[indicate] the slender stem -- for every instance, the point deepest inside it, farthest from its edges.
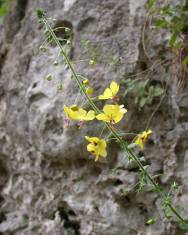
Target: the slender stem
(75, 76)
(176, 213)
(123, 144)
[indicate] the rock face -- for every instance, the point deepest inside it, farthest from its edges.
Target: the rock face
(48, 182)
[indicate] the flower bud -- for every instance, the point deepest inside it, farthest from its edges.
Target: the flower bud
(89, 91)
(60, 87)
(86, 82)
(49, 77)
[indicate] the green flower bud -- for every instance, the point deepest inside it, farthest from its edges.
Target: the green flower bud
(92, 62)
(49, 77)
(42, 48)
(55, 63)
(40, 13)
(60, 87)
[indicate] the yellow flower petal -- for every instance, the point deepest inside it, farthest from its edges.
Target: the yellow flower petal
(89, 116)
(117, 118)
(102, 146)
(71, 114)
(140, 143)
(106, 95)
(110, 93)
(114, 88)
(90, 148)
(79, 114)
(103, 117)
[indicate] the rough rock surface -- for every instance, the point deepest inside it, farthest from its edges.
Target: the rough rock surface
(48, 183)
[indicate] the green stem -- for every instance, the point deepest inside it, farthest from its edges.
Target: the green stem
(176, 213)
(123, 144)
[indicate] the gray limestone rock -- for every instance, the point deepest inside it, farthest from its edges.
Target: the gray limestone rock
(49, 185)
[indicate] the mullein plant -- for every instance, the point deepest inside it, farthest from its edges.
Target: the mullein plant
(111, 114)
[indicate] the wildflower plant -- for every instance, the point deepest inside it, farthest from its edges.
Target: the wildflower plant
(111, 114)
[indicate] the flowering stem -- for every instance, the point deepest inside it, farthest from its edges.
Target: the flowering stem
(123, 144)
(75, 76)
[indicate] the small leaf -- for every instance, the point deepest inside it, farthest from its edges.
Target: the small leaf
(174, 186)
(185, 60)
(179, 209)
(173, 39)
(150, 4)
(151, 221)
(184, 225)
(136, 100)
(165, 10)
(161, 23)
(40, 13)
(143, 101)
(92, 62)
(158, 91)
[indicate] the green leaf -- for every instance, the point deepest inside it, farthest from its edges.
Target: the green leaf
(129, 86)
(150, 4)
(143, 101)
(161, 23)
(149, 100)
(185, 60)
(184, 225)
(40, 13)
(179, 209)
(141, 87)
(158, 91)
(151, 90)
(174, 186)
(173, 39)
(151, 221)
(165, 10)
(136, 100)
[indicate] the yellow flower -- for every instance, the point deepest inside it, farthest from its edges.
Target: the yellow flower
(112, 113)
(96, 146)
(111, 92)
(78, 114)
(142, 138)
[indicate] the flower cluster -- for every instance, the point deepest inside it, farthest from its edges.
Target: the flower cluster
(111, 113)
(96, 146)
